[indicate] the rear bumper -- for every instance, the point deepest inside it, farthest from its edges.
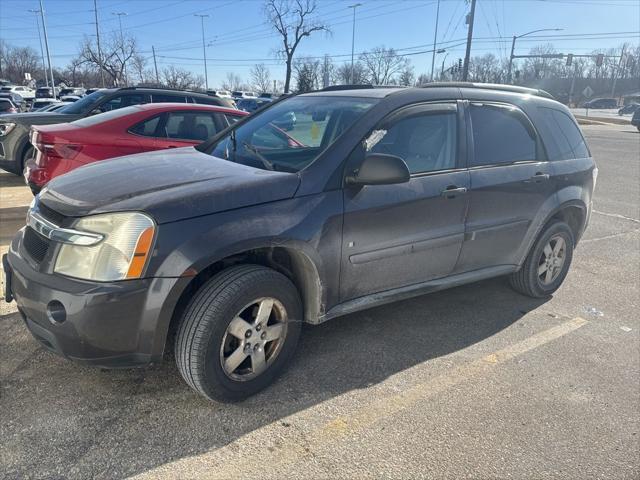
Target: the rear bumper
(109, 324)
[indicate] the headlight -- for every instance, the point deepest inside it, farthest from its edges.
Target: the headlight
(121, 255)
(5, 128)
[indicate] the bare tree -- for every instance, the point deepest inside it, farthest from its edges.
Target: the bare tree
(261, 78)
(181, 79)
(293, 20)
(232, 81)
(344, 74)
(406, 76)
(140, 71)
(16, 61)
(116, 52)
(383, 64)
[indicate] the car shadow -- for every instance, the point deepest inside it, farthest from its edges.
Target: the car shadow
(130, 421)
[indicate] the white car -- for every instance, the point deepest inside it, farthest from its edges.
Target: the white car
(24, 92)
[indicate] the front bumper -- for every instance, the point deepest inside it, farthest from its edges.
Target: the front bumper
(114, 324)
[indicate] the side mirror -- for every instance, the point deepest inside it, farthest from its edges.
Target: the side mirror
(380, 169)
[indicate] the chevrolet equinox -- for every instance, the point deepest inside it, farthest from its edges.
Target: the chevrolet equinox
(220, 252)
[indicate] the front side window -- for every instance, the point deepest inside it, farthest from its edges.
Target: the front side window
(289, 135)
(426, 142)
(501, 135)
(122, 101)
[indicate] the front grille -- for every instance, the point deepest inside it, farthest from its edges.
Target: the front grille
(35, 244)
(51, 215)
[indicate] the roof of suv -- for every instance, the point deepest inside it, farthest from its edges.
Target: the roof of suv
(373, 91)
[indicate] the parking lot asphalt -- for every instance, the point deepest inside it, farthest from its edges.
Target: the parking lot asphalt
(473, 382)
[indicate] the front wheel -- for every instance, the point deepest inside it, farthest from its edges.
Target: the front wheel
(547, 264)
(239, 332)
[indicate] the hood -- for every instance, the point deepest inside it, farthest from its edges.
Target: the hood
(39, 118)
(170, 185)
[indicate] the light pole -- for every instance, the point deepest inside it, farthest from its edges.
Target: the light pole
(124, 63)
(353, 35)
(46, 44)
(204, 48)
(435, 39)
(513, 46)
(44, 67)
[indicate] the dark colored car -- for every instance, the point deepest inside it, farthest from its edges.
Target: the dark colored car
(47, 92)
(7, 106)
(15, 148)
(16, 99)
(395, 193)
(601, 103)
(635, 120)
(252, 104)
(629, 109)
(63, 147)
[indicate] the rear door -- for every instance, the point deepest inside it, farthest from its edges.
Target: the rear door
(404, 234)
(188, 127)
(510, 180)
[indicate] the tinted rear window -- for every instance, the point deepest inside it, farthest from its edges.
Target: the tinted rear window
(563, 139)
(500, 135)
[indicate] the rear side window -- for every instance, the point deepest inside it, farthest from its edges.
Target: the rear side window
(195, 126)
(147, 128)
(164, 98)
(563, 138)
(501, 134)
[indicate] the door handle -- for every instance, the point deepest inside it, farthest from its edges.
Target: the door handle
(452, 190)
(539, 177)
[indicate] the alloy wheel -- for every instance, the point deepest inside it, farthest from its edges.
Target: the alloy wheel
(552, 260)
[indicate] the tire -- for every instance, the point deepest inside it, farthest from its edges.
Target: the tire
(26, 155)
(528, 280)
(203, 337)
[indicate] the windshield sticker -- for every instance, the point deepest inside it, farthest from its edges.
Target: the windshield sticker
(315, 131)
(373, 139)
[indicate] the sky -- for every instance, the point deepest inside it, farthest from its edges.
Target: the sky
(237, 36)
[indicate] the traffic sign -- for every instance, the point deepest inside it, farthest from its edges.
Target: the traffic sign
(587, 92)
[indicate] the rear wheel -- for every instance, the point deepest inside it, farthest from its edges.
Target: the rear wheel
(548, 262)
(239, 332)
(27, 155)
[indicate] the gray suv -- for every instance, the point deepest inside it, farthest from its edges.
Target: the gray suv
(220, 252)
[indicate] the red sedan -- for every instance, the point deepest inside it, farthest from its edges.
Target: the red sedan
(66, 146)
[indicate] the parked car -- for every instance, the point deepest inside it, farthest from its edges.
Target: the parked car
(16, 99)
(238, 95)
(7, 106)
(74, 91)
(635, 120)
(52, 107)
(225, 249)
(24, 92)
(251, 104)
(267, 95)
(39, 103)
(63, 147)
(47, 92)
(601, 103)
(69, 98)
(629, 109)
(14, 129)
(219, 93)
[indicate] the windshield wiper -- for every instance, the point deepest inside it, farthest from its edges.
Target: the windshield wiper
(267, 164)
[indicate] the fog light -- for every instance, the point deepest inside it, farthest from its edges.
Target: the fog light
(56, 312)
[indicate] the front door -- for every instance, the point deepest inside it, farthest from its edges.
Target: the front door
(404, 234)
(510, 180)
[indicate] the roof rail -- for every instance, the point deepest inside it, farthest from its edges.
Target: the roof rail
(491, 86)
(365, 86)
(161, 87)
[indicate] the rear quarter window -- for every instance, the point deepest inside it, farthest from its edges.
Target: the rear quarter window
(563, 138)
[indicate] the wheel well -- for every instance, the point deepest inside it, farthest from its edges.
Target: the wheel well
(23, 152)
(573, 216)
(295, 265)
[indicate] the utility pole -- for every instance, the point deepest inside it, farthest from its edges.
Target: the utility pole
(46, 44)
(353, 36)
(124, 63)
(95, 11)
(204, 48)
(435, 38)
(513, 46)
(442, 69)
(155, 64)
(617, 71)
(44, 66)
(465, 68)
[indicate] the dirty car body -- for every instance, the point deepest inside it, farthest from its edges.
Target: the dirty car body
(344, 245)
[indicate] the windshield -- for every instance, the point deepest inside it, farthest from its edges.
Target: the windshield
(289, 135)
(85, 104)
